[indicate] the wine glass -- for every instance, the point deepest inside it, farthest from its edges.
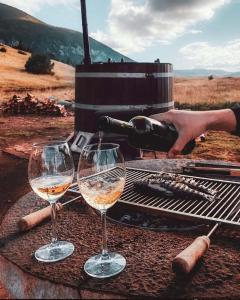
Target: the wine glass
(101, 178)
(51, 172)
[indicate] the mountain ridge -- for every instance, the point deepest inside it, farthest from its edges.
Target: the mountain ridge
(65, 45)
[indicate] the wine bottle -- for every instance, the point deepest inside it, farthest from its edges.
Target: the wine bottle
(145, 133)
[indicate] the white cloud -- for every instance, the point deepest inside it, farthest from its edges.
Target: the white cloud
(134, 25)
(204, 55)
(195, 31)
(32, 6)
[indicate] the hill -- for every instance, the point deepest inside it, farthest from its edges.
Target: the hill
(14, 79)
(205, 73)
(65, 45)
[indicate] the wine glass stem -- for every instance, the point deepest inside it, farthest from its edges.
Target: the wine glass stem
(104, 236)
(54, 217)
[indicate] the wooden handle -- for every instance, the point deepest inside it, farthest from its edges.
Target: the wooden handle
(185, 261)
(235, 172)
(32, 220)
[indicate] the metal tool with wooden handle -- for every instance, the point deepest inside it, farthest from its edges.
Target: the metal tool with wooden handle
(210, 170)
(34, 219)
(185, 261)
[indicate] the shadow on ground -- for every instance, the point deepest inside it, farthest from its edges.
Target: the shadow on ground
(13, 181)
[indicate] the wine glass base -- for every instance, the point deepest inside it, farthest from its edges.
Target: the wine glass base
(100, 268)
(54, 252)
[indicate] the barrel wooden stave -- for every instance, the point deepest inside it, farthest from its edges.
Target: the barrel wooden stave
(94, 87)
(122, 92)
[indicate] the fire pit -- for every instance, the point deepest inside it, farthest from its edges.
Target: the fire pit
(149, 254)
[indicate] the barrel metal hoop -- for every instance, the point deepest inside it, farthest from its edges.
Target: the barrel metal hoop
(122, 107)
(122, 75)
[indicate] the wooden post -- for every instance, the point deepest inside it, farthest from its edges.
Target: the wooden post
(87, 57)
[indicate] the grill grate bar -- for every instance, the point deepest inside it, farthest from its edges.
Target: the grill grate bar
(201, 203)
(198, 205)
(138, 198)
(234, 208)
(219, 206)
(168, 202)
(205, 208)
(187, 205)
(133, 197)
(236, 216)
(165, 202)
(173, 204)
(158, 202)
(230, 204)
(154, 200)
(195, 204)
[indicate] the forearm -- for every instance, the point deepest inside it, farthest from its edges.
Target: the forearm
(223, 120)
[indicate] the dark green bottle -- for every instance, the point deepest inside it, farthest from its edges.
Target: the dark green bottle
(145, 133)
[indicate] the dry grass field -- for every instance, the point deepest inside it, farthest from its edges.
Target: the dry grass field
(198, 90)
(14, 79)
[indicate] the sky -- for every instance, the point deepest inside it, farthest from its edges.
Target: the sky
(187, 33)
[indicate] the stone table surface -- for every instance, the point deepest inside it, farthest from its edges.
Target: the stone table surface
(20, 284)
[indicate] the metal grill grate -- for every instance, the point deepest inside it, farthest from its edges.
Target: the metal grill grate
(226, 210)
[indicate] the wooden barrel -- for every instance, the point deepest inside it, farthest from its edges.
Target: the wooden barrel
(121, 90)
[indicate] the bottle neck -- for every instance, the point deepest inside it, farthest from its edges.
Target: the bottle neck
(107, 124)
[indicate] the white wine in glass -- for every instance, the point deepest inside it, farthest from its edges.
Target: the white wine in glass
(101, 179)
(51, 188)
(51, 172)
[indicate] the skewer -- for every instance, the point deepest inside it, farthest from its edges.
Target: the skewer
(210, 170)
(35, 218)
(213, 230)
(213, 165)
(186, 260)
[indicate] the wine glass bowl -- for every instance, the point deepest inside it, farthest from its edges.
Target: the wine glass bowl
(101, 178)
(50, 173)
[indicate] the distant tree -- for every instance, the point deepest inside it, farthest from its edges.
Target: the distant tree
(3, 49)
(210, 77)
(51, 55)
(39, 64)
(22, 52)
(21, 46)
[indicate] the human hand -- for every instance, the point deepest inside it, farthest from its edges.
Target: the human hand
(189, 124)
